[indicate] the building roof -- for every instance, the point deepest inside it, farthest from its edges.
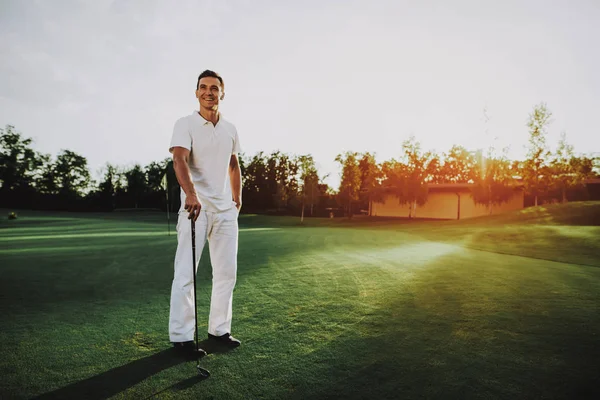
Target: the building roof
(456, 186)
(517, 184)
(445, 187)
(450, 185)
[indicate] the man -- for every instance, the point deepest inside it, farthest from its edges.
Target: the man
(204, 147)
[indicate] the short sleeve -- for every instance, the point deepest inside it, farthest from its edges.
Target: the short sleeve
(181, 135)
(236, 143)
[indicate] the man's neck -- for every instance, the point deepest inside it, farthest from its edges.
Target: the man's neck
(210, 115)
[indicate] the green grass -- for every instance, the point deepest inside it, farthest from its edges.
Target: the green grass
(497, 307)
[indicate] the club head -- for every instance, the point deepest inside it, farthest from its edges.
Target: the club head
(202, 372)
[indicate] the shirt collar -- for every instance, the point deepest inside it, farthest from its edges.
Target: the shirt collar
(204, 121)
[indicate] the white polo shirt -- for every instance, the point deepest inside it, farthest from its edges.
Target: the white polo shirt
(210, 148)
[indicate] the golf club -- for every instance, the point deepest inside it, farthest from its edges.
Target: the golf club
(201, 371)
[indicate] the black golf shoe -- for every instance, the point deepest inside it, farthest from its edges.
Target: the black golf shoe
(188, 348)
(226, 340)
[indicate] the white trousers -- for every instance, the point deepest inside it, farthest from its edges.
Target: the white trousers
(221, 231)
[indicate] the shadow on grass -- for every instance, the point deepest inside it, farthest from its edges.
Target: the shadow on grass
(117, 380)
(213, 348)
(179, 386)
(210, 348)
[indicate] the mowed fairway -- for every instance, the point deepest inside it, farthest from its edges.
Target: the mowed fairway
(504, 307)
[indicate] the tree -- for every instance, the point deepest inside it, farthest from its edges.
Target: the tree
(582, 168)
(281, 172)
(493, 180)
(415, 172)
(18, 161)
(45, 181)
(257, 189)
(107, 187)
(394, 177)
(595, 160)
(155, 171)
(433, 170)
(536, 174)
(350, 182)
(289, 170)
(136, 184)
(242, 162)
(71, 174)
(281, 180)
(563, 174)
(458, 166)
(371, 176)
(407, 179)
(308, 180)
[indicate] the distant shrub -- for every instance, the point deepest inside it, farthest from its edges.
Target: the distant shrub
(12, 215)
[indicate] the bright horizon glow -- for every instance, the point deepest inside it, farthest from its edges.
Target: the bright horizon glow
(107, 79)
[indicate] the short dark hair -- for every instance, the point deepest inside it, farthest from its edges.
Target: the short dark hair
(212, 74)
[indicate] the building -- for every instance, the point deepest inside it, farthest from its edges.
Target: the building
(593, 188)
(447, 201)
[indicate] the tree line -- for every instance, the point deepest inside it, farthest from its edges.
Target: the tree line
(275, 182)
(283, 183)
(545, 175)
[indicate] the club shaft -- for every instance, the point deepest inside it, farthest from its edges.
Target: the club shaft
(194, 275)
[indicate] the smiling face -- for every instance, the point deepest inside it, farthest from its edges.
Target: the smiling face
(209, 92)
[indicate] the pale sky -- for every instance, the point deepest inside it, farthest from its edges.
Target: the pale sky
(108, 79)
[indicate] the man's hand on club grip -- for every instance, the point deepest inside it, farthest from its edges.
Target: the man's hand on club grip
(193, 206)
